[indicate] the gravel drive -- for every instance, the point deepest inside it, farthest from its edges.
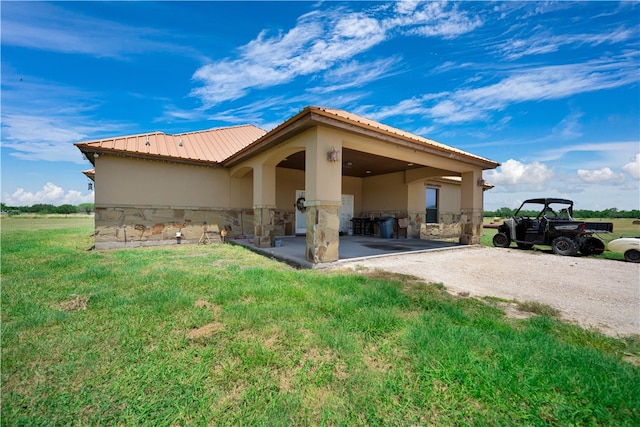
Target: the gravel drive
(594, 293)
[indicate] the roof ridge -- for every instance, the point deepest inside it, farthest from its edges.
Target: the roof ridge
(158, 132)
(215, 129)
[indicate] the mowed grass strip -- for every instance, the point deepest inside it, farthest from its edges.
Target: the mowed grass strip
(217, 335)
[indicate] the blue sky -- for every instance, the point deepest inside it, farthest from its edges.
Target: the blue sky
(549, 90)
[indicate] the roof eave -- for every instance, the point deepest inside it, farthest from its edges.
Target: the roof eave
(91, 153)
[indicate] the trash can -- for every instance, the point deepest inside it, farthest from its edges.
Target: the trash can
(386, 227)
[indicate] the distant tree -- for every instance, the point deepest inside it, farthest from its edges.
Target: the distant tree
(42, 208)
(66, 209)
(85, 207)
(504, 212)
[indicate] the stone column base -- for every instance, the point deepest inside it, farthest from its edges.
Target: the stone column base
(471, 226)
(323, 231)
(263, 227)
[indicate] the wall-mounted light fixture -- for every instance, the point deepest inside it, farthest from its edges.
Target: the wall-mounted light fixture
(90, 185)
(147, 143)
(180, 144)
(332, 155)
(481, 182)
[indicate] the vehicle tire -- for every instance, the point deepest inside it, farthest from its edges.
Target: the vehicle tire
(632, 255)
(501, 240)
(564, 246)
(524, 246)
(592, 246)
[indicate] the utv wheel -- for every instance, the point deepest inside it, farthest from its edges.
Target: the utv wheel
(592, 246)
(501, 240)
(632, 255)
(564, 246)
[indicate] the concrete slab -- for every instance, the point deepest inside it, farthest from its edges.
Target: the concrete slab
(352, 248)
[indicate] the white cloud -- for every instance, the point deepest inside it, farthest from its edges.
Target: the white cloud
(600, 176)
(325, 41)
(49, 194)
(356, 74)
(45, 26)
(569, 127)
(613, 151)
(545, 42)
(41, 138)
(433, 19)
(317, 43)
(633, 167)
(37, 127)
(517, 175)
(524, 85)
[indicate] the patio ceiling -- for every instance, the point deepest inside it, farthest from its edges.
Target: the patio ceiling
(355, 163)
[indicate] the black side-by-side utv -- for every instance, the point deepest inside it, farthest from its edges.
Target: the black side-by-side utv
(553, 225)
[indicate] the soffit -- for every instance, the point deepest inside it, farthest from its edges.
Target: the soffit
(355, 163)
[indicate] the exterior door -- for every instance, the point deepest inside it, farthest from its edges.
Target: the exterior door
(346, 213)
(301, 216)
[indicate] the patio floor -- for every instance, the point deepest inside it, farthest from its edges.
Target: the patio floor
(352, 248)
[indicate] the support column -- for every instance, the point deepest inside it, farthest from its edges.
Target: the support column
(264, 204)
(323, 231)
(471, 205)
(323, 188)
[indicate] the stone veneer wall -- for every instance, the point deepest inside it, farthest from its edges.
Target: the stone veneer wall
(448, 226)
(147, 226)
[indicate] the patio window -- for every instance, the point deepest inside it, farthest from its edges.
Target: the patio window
(432, 205)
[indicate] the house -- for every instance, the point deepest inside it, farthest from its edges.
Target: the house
(311, 175)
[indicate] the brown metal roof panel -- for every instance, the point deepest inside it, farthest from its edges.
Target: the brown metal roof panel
(213, 145)
(389, 129)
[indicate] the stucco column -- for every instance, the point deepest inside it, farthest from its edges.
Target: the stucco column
(471, 200)
(323, 187)
(264, 204)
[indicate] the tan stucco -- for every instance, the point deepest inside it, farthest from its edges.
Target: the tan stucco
(385, 193)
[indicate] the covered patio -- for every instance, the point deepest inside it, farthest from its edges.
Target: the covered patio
(291, 249)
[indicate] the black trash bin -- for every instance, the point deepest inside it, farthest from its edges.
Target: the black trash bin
(386, 227)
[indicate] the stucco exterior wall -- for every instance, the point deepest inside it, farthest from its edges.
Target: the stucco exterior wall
(287, 182)
(449, 200)
(384, 193)
(126, 181)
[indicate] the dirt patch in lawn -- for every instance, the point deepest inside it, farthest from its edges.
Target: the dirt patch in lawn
(75, 303)
(205, 331)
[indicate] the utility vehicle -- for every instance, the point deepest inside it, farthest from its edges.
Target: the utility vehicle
(550, 222)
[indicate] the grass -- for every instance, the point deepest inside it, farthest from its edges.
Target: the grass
(217, 335)
(621, 228)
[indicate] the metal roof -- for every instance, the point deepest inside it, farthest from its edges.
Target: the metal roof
(314, 116)
(233, 144)
(389, 130)
(207, 146)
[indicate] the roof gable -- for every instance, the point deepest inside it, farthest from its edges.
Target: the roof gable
(340, 119)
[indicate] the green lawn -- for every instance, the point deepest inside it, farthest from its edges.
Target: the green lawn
(217, 335)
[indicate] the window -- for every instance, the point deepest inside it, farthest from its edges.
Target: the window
(432, 205)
